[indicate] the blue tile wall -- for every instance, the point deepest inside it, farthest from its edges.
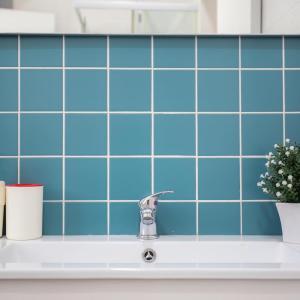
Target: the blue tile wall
(41, 90)
(85, 90)
(8, 51)
(218, 91)
(8, 90)
(103, 124)
(130, 90)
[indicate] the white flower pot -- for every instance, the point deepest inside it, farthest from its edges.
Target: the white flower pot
(289, 214)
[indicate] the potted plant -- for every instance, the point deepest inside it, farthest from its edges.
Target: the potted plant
(282, 182)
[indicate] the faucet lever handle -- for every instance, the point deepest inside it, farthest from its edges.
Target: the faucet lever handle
(151, 201)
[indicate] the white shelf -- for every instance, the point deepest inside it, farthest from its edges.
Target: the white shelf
(26, 21)
(177, 5)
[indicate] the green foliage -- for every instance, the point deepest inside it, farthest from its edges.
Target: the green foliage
(282, 179)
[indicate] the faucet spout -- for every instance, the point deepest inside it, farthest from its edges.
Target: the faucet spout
(148, 206)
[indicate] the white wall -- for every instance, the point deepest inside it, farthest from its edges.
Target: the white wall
(66, 19)
(238, 16)
(281, 16)
(229, 16)
(113, 21)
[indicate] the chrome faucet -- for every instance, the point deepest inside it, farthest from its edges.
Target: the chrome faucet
(148, 207)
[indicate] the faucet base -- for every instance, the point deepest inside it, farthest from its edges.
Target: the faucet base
(147, 237)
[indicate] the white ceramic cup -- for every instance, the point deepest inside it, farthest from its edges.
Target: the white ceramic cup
(24, 211)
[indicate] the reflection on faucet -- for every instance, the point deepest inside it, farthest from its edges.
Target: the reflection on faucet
(148, 207)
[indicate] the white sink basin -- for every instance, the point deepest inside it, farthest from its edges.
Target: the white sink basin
(176, 257)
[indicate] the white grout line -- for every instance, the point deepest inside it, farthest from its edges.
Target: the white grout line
(134, 156)
(19, 108)
(169, 201)
(155, 112)
(108, 132)
(148, 69)
(196, 135)
(63, 137)
(240, 140)
(283, 91)
(152, 117)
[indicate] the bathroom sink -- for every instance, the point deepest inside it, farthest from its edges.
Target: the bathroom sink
(168, 257)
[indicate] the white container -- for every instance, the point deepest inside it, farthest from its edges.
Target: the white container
(2, 204)
(289, 214)
(24, 211)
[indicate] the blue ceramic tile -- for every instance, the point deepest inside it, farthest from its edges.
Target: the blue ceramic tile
(252, 169)
(130, 178)
(52, 219)
(45, 171)
(41, 134)
(41, 90)
(174, 52)
(9, 134)
(130, 135)
(85, 218)
(41, 51)
(262, 91)
(174, 91)
(219, 218)
(85, 51)
(86, 90)
(8, 90)
(8, 51)
(218, 52)
(9, 170)
(218, 91)
(292, 90)
(219, 179)
(218, 134)
(130, 90)
(86, 134)
(174, 135)
(260, 219)
(260, 52)
(86, 179)
(127, 51)
(124, 225)
(260, 133)
(292, 127)
(176, 218)
(292, 49)
(176, 174)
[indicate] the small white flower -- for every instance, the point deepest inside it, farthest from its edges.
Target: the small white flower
(290, 177)
(265, 190)
(262, 182)
(276, 146)
(277, 184)
(289, 186)
(292, 148)
(280, 172)
(284, 182)
(287, 140)
(273, 162)
(287, 153)
(270, 153)
(278, 194)
(262, 176)
(267, 164)
(259, 184)
(266, 174)
(281, 163)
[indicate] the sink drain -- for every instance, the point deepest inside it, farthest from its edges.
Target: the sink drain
(149, 255)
